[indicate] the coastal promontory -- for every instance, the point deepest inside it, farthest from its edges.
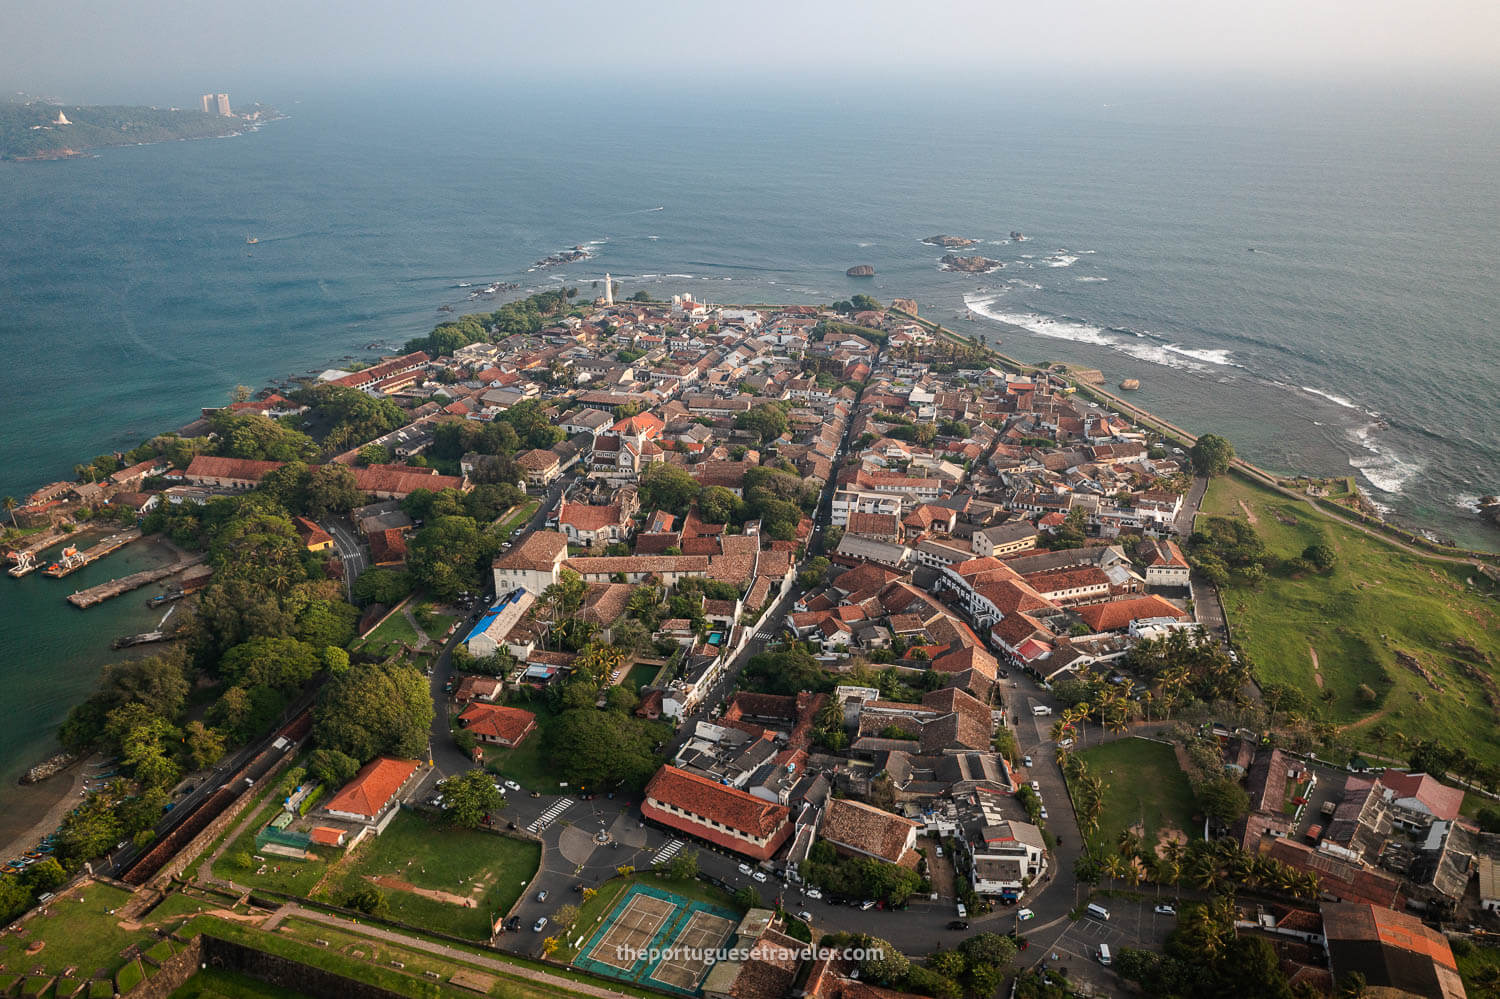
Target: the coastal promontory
(46, 130)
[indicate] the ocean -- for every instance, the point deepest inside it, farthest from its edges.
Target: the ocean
(1307, 271)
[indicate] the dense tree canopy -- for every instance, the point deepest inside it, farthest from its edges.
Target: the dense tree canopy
(375, 710)
(251, 435)
(1211, 455)
(594, 747)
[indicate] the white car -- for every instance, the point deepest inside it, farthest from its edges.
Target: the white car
(1166, 910)
(867, 906)
(513, 785)
(1044, 813)
(805, 916)
(814, 894)
(744, 868)
(539, 925)
(1025, 914)
(1036, 787)
(759, 876)
(1025, 761)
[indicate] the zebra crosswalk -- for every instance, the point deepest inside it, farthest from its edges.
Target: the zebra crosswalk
(550, 815)
(765, 636)
(667, 852)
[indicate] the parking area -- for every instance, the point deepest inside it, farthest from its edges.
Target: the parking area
(1131, 924)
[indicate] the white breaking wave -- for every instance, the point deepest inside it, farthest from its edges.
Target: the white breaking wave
(1381, 467)
(1466, 501)
(1059, 260)
(1337, 400)
(1138, 346)
(1090, 278)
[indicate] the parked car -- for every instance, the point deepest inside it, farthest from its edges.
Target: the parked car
(513, 785)
(759, 876)
(805, 916)
(539, 925)
(744, 868)
(867, 905)
(1036, 787)
(1166, 910)
(1026, 761)
(939, 851)
(814, 894)
(958, 924)
(1025, 914)
(541, 896)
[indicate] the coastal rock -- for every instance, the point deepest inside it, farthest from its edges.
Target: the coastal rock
(970, 265)
(906, 305)
(950, 242)
(50, 767)
(861, 270)
(564, 257)
(1489, 509)
(1130, 384)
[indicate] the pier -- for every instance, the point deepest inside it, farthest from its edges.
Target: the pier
(72, 560)
(25, 564)
(104, 591)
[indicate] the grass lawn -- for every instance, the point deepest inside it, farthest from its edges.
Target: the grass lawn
(1143, 786)
(283, 874)
(78, 931)
(640, 674)
(490, 870)
(434, 623)
(384, 639)
(518, 516)
(527, 764)
(1415, 631)
(1473, 962)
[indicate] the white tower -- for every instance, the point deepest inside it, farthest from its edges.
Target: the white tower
(609, 290)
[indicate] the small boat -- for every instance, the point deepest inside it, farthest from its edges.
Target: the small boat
(251, 240)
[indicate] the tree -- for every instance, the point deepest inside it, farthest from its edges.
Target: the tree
(46, 875)
(592, 747)
(284, 664)
(565, 916)
(10, 503)
(369, 900)
(1211, 455)
(883, 963)
(382, 586)
(766, 419)
(205, 745)
(373, 711)
(684, 866)
(988, 948)
(1321, 556)
(717, 505)
(469, 797)
(949, 963)
(331, 767)
(667, 487)
(444, 556)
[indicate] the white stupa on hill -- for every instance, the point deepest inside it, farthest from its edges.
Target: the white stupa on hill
(61, 119)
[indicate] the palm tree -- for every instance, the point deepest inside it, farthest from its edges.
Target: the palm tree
(1114, 866)
(10, 503)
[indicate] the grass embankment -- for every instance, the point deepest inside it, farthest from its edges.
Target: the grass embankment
(388, 635)
(517, 516)
(77, 932)
(216, 984)
(1144, 788)
(452, 880)
(1422, 635)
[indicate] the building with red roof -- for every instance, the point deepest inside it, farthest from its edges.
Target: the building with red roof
(1117, 615)
(373, 791)
(1421, 798)
(497, 724)
(723, 816)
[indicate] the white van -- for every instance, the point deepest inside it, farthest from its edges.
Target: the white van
(1040, 709)
(1104, 958)
(1098, 912)
(963, 913)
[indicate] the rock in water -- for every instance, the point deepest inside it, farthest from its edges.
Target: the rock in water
(950, 242)
(861, 270)
(1130, 384)
(969, 265)
(906, 305)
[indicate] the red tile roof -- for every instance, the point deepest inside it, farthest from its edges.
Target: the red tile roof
(1117, 614)
(714, 802)
(1441, 800)
(373, 787)
(509, 725)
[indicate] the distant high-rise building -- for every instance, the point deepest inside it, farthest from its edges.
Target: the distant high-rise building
(223, 101)
(208, 103)
(609, 290)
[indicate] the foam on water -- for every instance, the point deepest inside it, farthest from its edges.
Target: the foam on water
(1469, 502)
(1059, 260)
(1380, 466)
(1337, 400)
(1090, 278)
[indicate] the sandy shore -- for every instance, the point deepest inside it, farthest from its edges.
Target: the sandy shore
(38, 809)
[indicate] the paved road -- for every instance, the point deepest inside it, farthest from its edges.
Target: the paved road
(353, 556)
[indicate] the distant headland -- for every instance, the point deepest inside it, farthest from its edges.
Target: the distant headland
(45, 129)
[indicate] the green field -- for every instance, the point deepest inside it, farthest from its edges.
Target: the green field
(414, 855)
(640, 674)
(78, 933)
(1143, 787)
(391, 632)
(527, 764)
(1381, 618)
(434, 623)
(519, 516)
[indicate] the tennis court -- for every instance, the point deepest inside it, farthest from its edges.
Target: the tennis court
(702, 933)
(630, 931)
(648, 918)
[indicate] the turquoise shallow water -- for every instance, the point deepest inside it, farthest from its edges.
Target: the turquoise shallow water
(1357, 337)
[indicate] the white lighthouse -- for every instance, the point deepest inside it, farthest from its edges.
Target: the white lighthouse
(609, 290)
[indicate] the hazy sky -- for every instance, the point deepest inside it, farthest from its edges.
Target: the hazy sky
(151, 49)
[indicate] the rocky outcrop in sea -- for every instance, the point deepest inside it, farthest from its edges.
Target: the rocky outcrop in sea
(861, 270)
(50, 767)
(970, 265)
(949, 242)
